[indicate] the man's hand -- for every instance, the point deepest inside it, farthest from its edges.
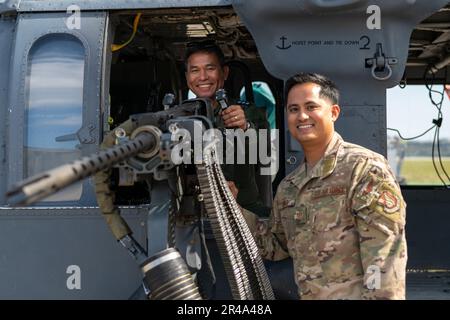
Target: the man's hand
(234, 190)
(447, 90)
(234, 117)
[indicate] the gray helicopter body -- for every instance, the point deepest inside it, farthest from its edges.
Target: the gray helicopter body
(62, 88)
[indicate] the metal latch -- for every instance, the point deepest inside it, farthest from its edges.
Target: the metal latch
(292, 160)
(380, 64)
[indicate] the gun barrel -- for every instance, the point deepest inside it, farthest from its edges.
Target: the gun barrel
(44, 184)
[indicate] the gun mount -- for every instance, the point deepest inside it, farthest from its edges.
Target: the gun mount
(140, 147)
(144, 143)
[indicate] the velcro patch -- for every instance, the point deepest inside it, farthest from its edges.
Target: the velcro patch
(284, 203)
(389, 201)
(329, 191)
(301, 215)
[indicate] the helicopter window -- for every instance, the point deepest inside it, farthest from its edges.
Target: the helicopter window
(53, 114)
(418, 149)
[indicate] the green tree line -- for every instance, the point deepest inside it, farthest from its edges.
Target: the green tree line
(423, 149)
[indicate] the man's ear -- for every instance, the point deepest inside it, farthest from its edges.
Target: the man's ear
(335, 111)
(226, 71)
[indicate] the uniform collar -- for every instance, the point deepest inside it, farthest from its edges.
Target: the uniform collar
(323, 168)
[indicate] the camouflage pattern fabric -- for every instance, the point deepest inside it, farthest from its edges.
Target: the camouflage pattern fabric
(343, 224)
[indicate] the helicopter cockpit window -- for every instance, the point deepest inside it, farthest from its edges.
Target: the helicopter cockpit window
(54, 91)
(419, 135)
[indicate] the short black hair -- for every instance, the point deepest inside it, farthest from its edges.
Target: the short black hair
(328, 88)
(208, 45)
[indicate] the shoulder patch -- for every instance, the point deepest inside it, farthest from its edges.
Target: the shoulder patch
(388, 203)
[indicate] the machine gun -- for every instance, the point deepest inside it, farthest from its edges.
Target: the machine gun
(142, 148)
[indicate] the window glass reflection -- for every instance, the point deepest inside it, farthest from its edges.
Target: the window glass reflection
(54, 107)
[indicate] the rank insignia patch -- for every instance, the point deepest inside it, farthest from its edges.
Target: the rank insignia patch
(389, 201)
(287, 203)
(301, 215)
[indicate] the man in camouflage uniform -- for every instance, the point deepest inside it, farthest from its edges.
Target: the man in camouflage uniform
(340, 215)
(206, 72)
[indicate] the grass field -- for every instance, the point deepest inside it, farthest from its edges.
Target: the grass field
(420, 171)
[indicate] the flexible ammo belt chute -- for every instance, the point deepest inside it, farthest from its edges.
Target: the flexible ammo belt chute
(243, 264)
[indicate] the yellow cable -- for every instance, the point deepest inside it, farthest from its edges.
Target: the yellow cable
(115, 47)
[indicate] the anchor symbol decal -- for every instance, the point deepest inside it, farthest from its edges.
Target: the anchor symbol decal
(283, 47)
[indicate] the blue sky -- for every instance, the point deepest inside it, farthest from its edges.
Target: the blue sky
(410, 111)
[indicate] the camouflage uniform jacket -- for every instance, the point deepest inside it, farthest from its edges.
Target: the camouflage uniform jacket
(343, 224)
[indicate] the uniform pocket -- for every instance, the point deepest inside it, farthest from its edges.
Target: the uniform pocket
(326, 212)
(294, 215)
